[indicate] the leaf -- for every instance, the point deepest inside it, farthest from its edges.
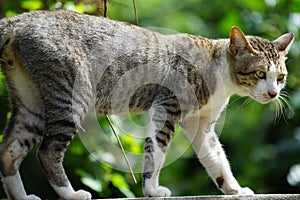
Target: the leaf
(2, 87)
(80, 8)
(69, 5)
(119, 182)
(10, 13)
(32, 4)
(131, 143)
(92, 183)
(88, 180)
(8, 115)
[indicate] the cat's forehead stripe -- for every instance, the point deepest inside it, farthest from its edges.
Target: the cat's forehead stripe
(265, 46)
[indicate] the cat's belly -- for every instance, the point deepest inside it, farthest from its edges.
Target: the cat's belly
(126, 101)
(23, 87)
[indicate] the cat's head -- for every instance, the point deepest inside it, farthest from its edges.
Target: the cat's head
(257, 65)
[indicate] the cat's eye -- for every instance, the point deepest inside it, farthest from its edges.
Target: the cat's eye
(280, 77)
(260, 74)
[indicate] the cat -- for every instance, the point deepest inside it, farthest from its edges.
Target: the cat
(59, 65)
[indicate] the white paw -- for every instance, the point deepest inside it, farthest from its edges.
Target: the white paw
(245, 191)
(160, 191)
(31, 197)
(240, 191)
(67, 192)
(81, 195)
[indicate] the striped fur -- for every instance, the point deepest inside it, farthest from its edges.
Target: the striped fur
(58, 65)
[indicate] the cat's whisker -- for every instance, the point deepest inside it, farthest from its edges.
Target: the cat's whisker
(283, 108)
(242, 105)
(246, 102)
(235, 100)
(288, 105)
(253, 103)
(285, 93)
(278, 111)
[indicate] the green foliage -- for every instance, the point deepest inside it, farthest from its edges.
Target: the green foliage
(119, 182)
(262, 149)
(32, 4)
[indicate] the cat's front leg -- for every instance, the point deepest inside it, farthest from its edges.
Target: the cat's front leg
(153, 161)
(159, 135)
(211, 154)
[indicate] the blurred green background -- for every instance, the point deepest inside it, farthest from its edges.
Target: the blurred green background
(264, 150)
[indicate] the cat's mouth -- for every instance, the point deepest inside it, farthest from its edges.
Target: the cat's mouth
(265, 101)
(264, 98)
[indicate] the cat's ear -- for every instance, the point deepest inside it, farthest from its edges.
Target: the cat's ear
(239, 43)
(284, 42)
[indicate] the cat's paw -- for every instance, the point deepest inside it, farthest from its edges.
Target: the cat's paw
(31, 197)
(68, 193)
(81, 195)
(159, 191)
(240, 191)
(245, 191)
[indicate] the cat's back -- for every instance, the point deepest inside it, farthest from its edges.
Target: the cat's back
(56, 43)
(61, 22)
(68, 37)
(62, 27)
(54, 31)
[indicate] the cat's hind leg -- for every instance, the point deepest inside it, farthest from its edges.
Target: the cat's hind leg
(51, 155)
(23, 132)
(61, 124)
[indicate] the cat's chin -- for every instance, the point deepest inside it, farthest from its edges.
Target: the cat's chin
(265, 101)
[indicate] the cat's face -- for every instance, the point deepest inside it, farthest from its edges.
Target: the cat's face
(258, 65)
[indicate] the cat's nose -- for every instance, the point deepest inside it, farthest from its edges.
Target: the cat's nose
(272, 94)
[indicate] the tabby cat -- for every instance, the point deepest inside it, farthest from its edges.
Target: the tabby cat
(60, 65)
